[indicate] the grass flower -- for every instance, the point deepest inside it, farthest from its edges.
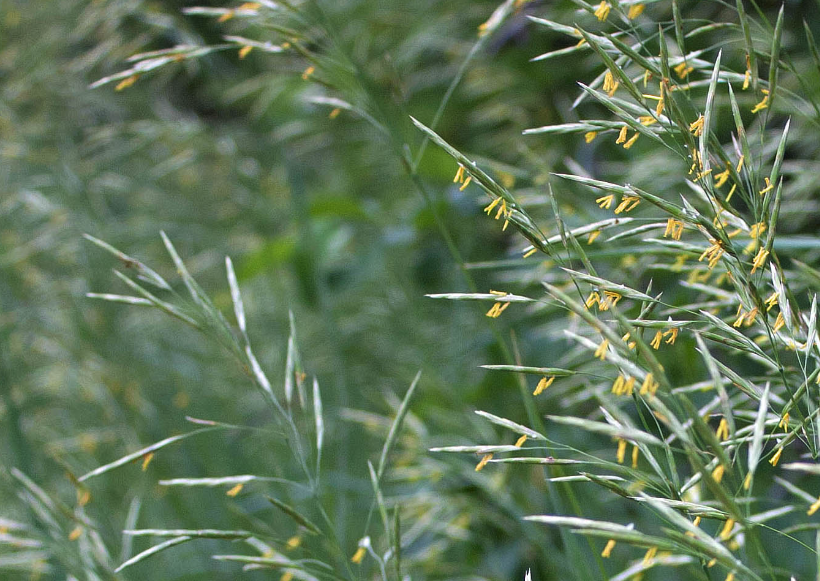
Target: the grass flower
(602, 11)
(635, 10)
(543, 384)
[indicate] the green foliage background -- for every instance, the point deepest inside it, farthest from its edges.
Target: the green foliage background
(235, 157)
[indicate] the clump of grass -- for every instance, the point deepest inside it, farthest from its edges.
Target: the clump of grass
(297, 418)
(681, 383)
(709, 459)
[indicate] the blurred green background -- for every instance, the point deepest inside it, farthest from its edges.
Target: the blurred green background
(231, 156)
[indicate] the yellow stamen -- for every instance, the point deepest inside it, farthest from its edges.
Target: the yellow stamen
(760, 259)
(634, 456)
(235, 490)
(771, 301)
(358, 555)
(776, 458)
(712, 254)
(650, 556)
(520, 441)
(226, 16)
(778, 322)
(497, 309)
(722, 432)
(605, 202)
(460, 176)
(627, 203)
(649, 385)
(592, 236)
(483, 462)
(739, 316)
(618, 385)
(610, 299)
(784, 422)
(465, 184)
(696, 127)
(717, 473)
(75, 533)
(703, 174)
(656, 341)
(671, 335)
(634, 11)
(632, 140)
(674, 228)
(146, 460)
(769, 187)
(757, 229)
(502, 211)
(590, 135)
(747, 482)
(682, 70)
(763, 104)
(610, 544)
(543, 384)
(731, 192)
(600, 352)
(530, 252)
(722, 178)
(294, 542)
(622, 135)
(334, 113)
(647, 120)
(610, 84)
(730, 576)
(621, 451)
(125, 83)
(813, 508)
(593, 299)
(602, 11)
(83, 498)
(244, 51)
(308, 71)
(492, 205)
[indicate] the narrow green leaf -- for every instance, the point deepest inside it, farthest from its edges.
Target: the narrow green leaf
(607, 429)
(404, 408)
(511, 425)
(295, 515)
(152, 551)
(236, 297)
(756, 446)
(774, 63)
(377, 493)
(140, 453)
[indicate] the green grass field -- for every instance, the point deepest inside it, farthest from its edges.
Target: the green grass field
(466, 290)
